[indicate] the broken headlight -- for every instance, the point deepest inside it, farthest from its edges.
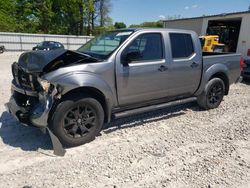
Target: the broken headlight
(45, 84)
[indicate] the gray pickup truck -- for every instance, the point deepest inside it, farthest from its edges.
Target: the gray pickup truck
(117, 74)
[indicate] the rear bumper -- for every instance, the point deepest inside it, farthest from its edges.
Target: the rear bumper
(35, 115)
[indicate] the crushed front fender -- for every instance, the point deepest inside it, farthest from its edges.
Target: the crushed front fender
(40, 113)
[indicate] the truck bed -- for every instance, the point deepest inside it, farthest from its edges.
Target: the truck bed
(230, 62)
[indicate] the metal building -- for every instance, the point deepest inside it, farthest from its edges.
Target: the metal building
(233, 29)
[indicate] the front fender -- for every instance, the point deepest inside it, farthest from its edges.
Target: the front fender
(75, 80)
(207, 74)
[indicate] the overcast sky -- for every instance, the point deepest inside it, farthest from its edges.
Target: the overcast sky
(138, 11)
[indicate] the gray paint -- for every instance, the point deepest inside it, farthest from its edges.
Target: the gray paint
(226, 64)
(140, 83)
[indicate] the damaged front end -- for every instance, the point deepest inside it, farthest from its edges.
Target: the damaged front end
(33, 97)
(32, 109)
(30, 103)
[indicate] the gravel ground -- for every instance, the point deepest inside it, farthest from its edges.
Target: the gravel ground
(180, 146)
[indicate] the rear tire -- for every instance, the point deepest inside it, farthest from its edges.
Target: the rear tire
(212, 95)
(77, 120)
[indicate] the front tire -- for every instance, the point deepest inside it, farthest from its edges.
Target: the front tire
(77, 120)
(213, 94)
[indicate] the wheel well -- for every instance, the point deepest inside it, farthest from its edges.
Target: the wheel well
(224, 78)
(91, 92)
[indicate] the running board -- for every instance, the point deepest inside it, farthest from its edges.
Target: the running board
(152, 108)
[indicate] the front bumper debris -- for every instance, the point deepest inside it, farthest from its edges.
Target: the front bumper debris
(40, 113)
(57, 146)
(37, 115)
(19, 113)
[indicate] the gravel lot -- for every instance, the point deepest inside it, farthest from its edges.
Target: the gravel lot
(180, 146)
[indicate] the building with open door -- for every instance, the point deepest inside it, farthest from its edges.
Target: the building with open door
(233, 29)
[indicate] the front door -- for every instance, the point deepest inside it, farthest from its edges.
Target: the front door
(142, 70)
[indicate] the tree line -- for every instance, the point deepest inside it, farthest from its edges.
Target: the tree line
(69, 17)
(76, 17)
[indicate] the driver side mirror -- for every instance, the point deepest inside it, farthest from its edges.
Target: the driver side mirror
(131, 56)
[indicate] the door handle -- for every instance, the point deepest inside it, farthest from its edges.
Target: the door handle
(163, 68)
(194, 65)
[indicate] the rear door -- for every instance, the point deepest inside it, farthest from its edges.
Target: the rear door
(186, 63)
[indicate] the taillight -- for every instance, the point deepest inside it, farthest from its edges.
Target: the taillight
(241, 63)
(248, 52)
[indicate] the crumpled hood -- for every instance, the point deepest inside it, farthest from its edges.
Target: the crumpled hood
(46, 61)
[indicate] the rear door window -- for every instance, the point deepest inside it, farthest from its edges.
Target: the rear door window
(182, 45)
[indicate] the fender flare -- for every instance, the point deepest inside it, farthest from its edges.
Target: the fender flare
(77, 80)
(218, 68)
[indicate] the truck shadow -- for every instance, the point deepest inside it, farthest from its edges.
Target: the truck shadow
(31, 138)
(246, 81)
(18, 136)
(154, 116)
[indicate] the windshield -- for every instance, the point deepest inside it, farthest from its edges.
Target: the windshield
(104, 45)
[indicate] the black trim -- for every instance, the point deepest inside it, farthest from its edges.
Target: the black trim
(150, 103)
(152, 108)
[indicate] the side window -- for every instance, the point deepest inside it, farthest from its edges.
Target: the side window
(146, 47)
(182, 45)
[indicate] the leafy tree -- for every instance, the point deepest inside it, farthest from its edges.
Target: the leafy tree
(158, 24)
(7, 19)
(25, 16)
(77, 17)
(98, 14)
(43, 13)
(103, 9)
(120, 25)
(153, 24)
(135, 26)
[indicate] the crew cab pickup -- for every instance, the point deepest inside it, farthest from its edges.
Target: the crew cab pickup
(117, 74)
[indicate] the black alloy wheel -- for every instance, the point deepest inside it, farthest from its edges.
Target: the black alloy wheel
(212, 95)
(79, 121)
(215, 94)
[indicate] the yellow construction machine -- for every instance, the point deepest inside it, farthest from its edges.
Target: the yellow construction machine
(210, 43)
